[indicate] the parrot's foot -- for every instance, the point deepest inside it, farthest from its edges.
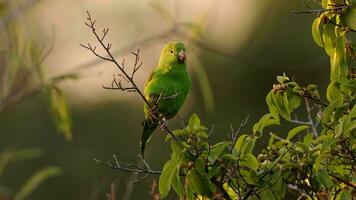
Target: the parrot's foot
(164, 123)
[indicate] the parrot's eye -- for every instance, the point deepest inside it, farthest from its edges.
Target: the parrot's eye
(171, 51)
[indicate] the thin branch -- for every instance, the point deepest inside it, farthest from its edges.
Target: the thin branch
(311, 11)
(309, 114)
(131, 168)
(234, 134)
(91, 24)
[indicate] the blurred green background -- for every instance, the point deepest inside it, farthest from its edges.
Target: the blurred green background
(236, 48)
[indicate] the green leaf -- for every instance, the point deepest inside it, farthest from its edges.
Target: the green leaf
(325, 3)
(194, 122)
(324, 179)
(296, 130)
(165, 179)
(240, 141)
(344, 195)
(216, 150)
(281, 102)
(60, 112)
(331, 109)
(267, 195)
(351, 126)
(351, 18)
(329, 38)
(332, 92)
(308, 139)
(245, 144)
(271, 106)
(338, 60)
(200, 184)
(214, 171)
(176, 147)
(176, 182)
(294, 100)
(35, 180)
(249, 176)
(316, 32)
(265, 121)
(250, 161)
(229, 157)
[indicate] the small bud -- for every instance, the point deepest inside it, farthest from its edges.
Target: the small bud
(301, 93)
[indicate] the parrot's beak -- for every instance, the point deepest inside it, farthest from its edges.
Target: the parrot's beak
(181, 57)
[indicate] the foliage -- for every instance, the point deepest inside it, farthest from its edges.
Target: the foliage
(21, 75)
(316, 159)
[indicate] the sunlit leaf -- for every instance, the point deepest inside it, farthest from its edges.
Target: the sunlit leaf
(176, 182)
(250, 161)
(329, 38)
(295, 131)
(265, 121)
(60, 112)
(194, 122)
(216, 150)
(316, 32)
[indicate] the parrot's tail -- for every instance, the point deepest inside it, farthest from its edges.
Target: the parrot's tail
(148, 128)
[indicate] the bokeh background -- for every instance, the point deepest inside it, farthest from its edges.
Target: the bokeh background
(235, 50)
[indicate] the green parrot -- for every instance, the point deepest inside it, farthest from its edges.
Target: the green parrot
(166, 89)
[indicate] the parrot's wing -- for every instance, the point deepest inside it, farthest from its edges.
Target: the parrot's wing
(151, 95)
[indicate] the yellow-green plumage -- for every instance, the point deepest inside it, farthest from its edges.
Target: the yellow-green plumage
(171, 81)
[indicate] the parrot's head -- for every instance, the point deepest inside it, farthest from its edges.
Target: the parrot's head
(173, 54)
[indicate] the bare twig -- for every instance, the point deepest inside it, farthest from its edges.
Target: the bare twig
(311, 121)
(91, 24)
(234, 134)
(311, 11)
(146, 170)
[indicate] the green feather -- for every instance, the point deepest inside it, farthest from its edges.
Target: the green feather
(170, 80)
